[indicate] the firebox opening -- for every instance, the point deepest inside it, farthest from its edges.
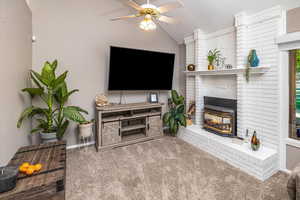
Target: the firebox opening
(220, 116)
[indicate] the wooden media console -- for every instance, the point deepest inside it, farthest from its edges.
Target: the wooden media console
(123, 124)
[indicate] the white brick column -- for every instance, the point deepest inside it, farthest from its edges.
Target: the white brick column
(241, 24)
(190, 59)
(201, 64)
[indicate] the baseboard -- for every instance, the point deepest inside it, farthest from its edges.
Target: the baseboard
(80, 145)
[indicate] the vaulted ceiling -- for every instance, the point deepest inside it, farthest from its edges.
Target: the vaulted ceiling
(207, 15)
(213, 15)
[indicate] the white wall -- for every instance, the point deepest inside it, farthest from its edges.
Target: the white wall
(78, 33)
(15, 56)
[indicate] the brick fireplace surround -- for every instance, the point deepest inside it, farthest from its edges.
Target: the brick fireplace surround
(258, 102)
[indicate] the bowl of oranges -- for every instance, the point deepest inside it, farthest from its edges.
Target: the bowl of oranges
(28, 169)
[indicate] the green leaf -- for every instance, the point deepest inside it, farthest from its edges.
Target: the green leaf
(166, 117)
(35, 80)
(73, 114)
(40, 78)
(174, 128)
(60, 92)
(180, 109)
(38, 111)
(62, 129)
(35, 130)
(24, 115)
(69, 94)
(48, 74)
(78, 109)
(33, 91)
(172, 122)
(182, 120)
(175, 97)
(54, 65)
(60, 80)
(181, 100)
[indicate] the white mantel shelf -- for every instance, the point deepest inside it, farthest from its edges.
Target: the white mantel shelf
(254, 70)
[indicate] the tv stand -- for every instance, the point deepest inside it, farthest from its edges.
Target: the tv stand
(123, 124)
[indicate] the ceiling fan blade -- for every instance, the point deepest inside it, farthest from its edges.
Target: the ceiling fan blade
(134, 5)
(124, 17)
(170, 6)
(166, 19)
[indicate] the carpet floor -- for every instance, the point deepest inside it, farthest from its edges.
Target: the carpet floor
(164, 169)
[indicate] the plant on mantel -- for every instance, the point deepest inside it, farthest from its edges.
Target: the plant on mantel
(176, 116)
(212, 56)
(53, 91)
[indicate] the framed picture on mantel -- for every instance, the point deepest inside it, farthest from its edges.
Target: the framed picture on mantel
(153, 97)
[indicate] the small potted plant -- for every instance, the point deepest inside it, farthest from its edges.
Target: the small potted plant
(212, 56)
(176, 116)
(53, 119)
(86, 129)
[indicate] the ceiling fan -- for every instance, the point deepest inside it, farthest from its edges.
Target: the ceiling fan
(150, 12)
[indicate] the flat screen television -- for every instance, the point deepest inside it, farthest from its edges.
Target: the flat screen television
(133, 69)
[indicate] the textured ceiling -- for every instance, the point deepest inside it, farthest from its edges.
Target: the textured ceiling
(213, 15)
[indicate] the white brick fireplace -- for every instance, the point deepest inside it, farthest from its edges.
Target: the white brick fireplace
(258, 101)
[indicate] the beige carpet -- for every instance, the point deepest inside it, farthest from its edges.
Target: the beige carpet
(165, 169)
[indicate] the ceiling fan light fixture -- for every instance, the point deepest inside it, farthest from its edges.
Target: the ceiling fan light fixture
(147, 24)
(151, 6)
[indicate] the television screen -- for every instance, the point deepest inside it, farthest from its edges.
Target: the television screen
(133, 69)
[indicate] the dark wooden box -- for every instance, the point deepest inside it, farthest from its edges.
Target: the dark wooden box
(49, 183)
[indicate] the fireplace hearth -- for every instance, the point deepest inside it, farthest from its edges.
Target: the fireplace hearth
(220, 116)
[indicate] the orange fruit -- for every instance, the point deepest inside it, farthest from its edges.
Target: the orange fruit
(30, 170)
(22, 169)
(25, 165)
(38, 167)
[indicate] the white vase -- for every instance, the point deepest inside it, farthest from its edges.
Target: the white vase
(85, 130)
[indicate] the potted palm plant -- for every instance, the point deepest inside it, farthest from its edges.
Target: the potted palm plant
(53, 119)
(176, 116)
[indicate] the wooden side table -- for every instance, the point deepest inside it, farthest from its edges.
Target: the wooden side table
(49, 183)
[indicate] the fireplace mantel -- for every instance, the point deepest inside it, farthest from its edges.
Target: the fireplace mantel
(239, 70)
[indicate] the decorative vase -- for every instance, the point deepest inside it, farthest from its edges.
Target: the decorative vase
(255, 142)
(253, 59)
(48, 137)
(210, 67)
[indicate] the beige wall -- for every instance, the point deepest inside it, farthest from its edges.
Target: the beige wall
(293, 22)
(78, 33)
(292, 157)
(15, 56)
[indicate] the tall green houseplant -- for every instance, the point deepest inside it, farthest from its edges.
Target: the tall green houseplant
(176, 116)
(53, 92)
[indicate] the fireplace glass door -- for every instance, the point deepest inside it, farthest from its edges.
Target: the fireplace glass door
(221, 123)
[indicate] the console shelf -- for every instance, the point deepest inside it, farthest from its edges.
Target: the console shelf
(134, 127)
(119, 125)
